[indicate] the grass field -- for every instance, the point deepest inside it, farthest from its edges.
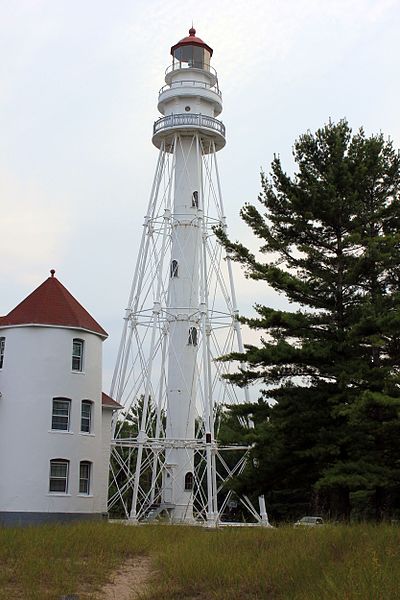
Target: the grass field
(332, 562)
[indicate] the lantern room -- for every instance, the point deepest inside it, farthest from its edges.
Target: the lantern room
(191, 52)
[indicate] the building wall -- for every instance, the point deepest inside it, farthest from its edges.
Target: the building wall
(106, 450)
(38, 367)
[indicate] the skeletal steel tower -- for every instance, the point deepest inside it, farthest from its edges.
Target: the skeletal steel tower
(181, 317)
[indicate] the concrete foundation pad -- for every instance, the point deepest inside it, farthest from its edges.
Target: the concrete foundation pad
(15, 519)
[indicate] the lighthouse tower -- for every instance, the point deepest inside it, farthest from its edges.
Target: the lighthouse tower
(181, 317)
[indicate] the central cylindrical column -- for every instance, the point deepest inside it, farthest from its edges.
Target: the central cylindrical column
(183, 316)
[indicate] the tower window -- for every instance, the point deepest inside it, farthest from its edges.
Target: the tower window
(2, 348)
(189, 481)
(192, 341)
(58, 481)
(61, 414)
(174, 268)
(85, 469)
(86, 416)
(195, 199)
(77, 355)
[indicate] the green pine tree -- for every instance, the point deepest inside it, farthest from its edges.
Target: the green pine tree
(331, 439)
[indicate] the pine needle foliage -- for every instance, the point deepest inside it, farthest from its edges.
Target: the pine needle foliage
(330, 243)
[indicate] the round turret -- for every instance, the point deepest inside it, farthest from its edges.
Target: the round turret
(53, 428)
(191, 100)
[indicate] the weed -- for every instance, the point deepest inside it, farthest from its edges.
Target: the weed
(357, 562)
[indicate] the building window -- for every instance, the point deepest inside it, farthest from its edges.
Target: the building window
(195, 199)
(192, 341)
(61, 414)
(86, 416)
(174, 268)
(85, 468)
(189, 481)
(2, 348)
(77, 355)
(59, 468)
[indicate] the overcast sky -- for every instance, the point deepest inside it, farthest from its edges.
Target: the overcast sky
(78, 96)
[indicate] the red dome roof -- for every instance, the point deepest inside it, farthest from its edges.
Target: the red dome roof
(192, 40)
(52, 304)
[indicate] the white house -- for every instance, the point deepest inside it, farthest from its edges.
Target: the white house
(55, 422)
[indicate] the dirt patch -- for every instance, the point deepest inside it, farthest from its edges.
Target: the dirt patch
(128, 582)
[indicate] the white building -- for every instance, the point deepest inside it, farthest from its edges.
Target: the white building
(55, 422)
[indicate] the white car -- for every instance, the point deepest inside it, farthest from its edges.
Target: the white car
(309, 522)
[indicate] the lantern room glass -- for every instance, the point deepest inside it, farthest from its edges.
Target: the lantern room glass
(191, 56)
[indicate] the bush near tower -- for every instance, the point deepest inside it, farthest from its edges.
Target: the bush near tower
(329, 441)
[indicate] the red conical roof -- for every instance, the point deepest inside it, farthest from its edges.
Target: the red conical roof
(192, 40)
(52, 304)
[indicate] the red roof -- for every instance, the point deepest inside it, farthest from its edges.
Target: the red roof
(193, 41)
(52, 304)
(108, 402)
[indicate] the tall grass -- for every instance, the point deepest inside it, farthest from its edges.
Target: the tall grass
(341, 563)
